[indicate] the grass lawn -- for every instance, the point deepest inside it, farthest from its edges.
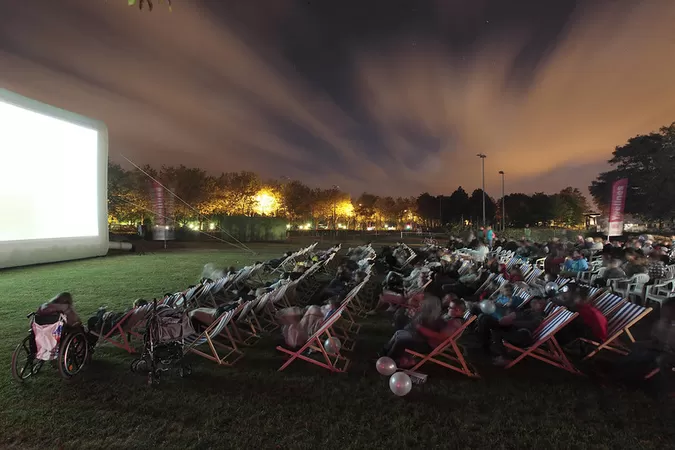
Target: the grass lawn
(253, 406)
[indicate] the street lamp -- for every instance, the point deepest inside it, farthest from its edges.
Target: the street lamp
(336, 189)
(501, 172)
(482, 160)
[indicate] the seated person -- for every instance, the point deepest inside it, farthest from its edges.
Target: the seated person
(61, 304)
(575, 263)
(486, 323)
(612, 270)
(298, 324)
(515, 275)
(338, 285)
(505, 301)
(429, 317)
(589, 324)
(395, 300)
(517, 328)
(201, 318)
(104, 321)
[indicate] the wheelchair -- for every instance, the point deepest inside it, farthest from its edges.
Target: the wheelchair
(73, 350)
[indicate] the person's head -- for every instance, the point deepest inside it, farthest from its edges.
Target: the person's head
(576, 254)
(430, 309)
(507, 290)
(359, 276)
(139, 302)
(231, 269)
(334, 302)
(576, 294)
(516, 271)
(489, 227)
(64, 298)
(537, 303)
(614, 263)
(457, 308)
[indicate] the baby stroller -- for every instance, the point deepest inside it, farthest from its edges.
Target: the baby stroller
(163, 344)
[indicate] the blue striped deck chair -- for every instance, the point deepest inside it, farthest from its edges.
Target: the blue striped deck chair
(448, 353)
(618, 324)
(243, 336)
(608, 302)
(346, 327)
(595, 292)
(222, 348)
(247, 322)
(545, 347)
(318, 355)
(535, 273)
(561, 281)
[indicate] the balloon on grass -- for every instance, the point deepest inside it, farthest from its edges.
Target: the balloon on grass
(400, 384)
(385, 366)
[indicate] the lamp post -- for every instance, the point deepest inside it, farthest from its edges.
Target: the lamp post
(336, 189)
(482, 160)
(501, 172)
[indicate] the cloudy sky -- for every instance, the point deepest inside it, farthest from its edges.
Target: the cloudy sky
(390, 96)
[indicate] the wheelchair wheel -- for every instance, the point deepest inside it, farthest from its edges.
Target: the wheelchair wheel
(23, 363)
(73, 354)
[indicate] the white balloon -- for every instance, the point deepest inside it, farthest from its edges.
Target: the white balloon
(400, 384)
(332, 345)
(385, 366)
(488, 307)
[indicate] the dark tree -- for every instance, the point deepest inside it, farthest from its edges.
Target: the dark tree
(648, 162)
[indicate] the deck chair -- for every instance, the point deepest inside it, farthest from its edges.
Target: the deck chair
(216, 336)
(448, 353)
(545, 347)
(607, 303)
(619, 323)
(333, 362)
(117, 335)
(533, 275)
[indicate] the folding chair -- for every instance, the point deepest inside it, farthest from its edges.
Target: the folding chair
(213, 337)
(117, 336)
(450, 351)
(545, 347)
(607, 303)
(334, 362)
(618, 323)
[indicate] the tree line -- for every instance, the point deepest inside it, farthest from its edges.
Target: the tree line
(245, 193)
(648, 162)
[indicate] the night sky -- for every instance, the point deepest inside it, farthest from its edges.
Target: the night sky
(392, 97)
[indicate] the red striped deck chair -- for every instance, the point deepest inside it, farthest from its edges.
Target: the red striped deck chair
(618, 324)
(218, 339)
(545, 347)
(448, 354)
(319, 356)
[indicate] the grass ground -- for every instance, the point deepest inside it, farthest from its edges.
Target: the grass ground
(253, 406)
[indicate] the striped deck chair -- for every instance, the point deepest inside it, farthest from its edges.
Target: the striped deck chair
(346, 327)
(595, 292)
(545, 347)
(243, 336)
(333, 362)
(561, 281)
(619, 323)
(608, 302)
(117, 336)
(210, 292)
(217, 337)
(533, 275)
(247, 323)
(448, 354)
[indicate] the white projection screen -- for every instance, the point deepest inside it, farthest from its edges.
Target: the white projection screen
(53, 183)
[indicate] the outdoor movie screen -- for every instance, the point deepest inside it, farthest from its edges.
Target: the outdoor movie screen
(53, 183)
